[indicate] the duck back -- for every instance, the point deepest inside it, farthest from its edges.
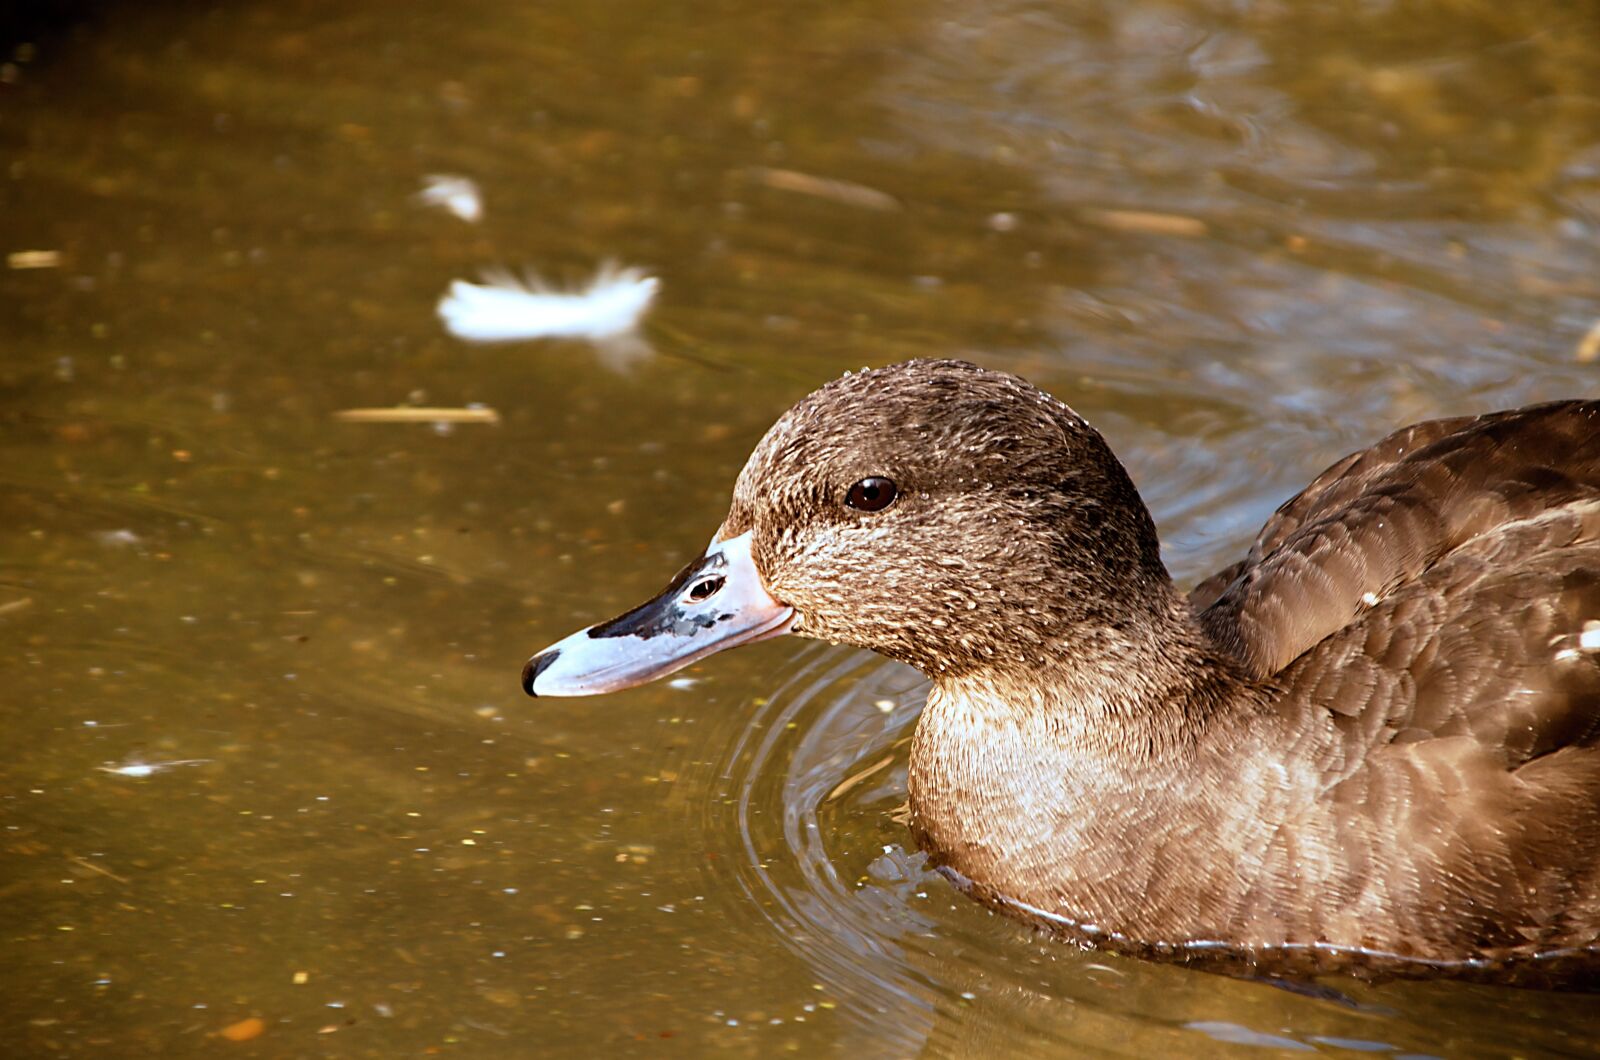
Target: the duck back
(1427, 613)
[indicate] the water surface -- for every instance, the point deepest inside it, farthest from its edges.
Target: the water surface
(1241, 239)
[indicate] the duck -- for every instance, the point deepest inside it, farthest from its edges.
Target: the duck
(1371, 746)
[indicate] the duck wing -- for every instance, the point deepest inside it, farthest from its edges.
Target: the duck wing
(1441, 516)
(1324, 498)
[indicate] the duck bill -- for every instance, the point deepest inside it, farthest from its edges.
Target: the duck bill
(716, 602)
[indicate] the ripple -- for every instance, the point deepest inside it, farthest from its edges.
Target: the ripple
(805, 815)
(811, 786)
(808, 818)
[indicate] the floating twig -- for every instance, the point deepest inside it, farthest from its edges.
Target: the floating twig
(33, 259)
(410, 414)
(844, 192)
(1148, 222)
(92, 867)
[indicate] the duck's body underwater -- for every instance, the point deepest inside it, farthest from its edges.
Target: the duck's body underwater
(1374, 743)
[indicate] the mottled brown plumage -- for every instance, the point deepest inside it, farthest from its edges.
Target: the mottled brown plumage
(1373, 743)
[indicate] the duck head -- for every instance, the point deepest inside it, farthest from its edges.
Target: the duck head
(950, 517)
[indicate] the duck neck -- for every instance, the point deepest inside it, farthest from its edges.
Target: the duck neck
(1141, 683)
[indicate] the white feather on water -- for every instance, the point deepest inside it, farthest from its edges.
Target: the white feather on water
(507, 308)
(453, 194)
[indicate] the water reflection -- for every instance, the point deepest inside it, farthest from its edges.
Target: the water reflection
(808, 809)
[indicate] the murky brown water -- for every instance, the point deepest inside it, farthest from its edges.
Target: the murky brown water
(1242, 239)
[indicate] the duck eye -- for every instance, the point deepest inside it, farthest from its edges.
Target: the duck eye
(871, 494)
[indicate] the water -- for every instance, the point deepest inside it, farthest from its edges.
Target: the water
(1241, 240)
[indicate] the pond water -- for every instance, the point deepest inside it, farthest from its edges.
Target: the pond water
(269, 784)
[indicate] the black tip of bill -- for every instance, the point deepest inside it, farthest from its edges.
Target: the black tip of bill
(536, 666)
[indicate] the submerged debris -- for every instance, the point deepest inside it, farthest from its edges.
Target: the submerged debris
(851, 781)
(135, 768)
(1589, 345)
(122, 538)
(244, 1030)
